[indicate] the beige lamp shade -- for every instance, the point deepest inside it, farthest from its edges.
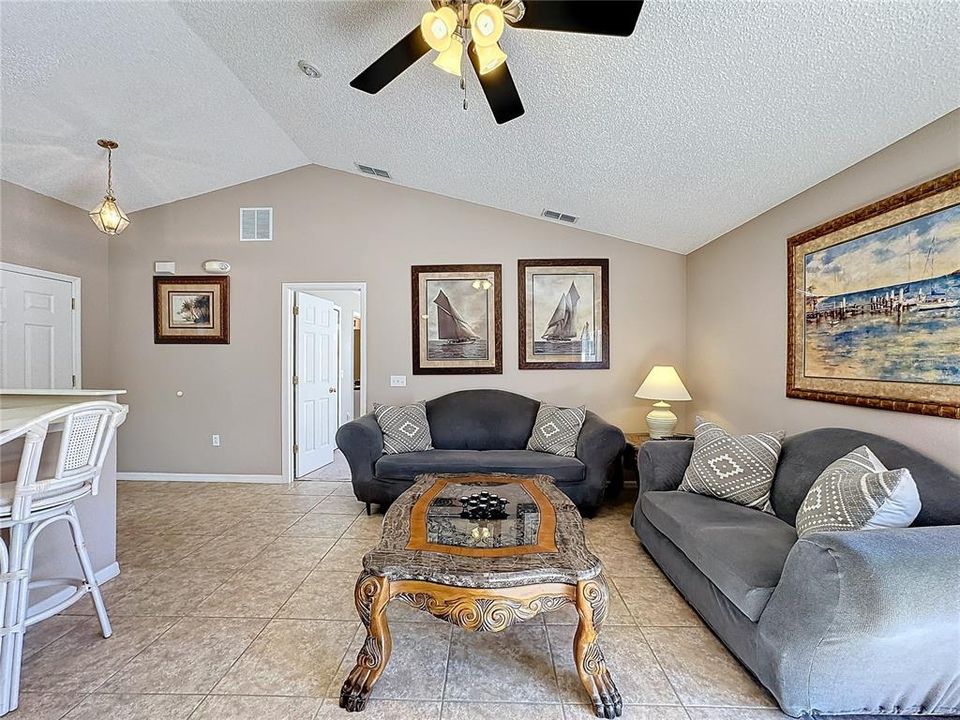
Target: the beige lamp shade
(663, 383)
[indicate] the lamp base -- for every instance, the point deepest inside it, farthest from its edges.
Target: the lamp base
(661, 421)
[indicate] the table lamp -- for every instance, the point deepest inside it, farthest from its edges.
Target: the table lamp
(662, 384)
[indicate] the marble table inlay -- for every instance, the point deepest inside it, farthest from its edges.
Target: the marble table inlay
(483, 575)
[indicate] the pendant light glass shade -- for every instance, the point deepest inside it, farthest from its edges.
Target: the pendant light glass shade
(437, 28)
(490, 57)
(450, 59)
(107, 216)
(486, 24)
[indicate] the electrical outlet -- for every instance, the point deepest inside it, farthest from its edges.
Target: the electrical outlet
(216, 440)
(398, 381)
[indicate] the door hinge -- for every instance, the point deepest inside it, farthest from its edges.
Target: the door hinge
(296, 309)
(296, 448)
(73, 380)
(73, 303)
(296, 380)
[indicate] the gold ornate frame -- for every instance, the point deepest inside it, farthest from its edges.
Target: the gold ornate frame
(940, 400)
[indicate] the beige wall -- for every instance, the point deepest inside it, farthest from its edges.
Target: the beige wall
(736, 304)
(40, 232)
(336, 227)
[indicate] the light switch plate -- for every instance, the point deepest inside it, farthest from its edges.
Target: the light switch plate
(398, 381)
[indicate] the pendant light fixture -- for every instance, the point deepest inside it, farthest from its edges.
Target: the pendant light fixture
(107, 216)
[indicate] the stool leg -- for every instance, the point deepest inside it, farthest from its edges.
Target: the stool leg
(5, 640)
(88, 574)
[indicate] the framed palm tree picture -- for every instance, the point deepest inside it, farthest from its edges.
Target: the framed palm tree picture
(191, 309)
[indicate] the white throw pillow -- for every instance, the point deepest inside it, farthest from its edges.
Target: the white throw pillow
(857, 492)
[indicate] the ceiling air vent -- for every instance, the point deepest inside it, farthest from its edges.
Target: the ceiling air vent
(256, 224)
(562, 217)
(376, 172)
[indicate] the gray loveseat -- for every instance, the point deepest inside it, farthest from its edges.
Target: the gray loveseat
(481, 431)
(863, 622)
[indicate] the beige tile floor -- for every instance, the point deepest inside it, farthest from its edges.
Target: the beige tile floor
(235, 602)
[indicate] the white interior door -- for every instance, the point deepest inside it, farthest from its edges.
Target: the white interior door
(316, 373)
(38, 346)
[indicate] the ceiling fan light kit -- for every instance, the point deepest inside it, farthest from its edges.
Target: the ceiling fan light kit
(445, 28)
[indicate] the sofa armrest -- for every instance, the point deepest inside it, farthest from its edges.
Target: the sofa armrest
(661, 464)
(361, 442)
(866, 621)
(599, 448)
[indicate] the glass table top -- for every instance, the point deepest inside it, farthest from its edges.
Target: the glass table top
(483, 515)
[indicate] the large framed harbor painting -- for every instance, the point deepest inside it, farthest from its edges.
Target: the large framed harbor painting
(564, 308)
(874, 304)
(457, 319)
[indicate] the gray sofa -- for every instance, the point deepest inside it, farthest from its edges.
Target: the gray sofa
(864, 622)
(481, 431)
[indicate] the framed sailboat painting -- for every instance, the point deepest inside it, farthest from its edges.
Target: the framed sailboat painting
(457, 319)
(564, 314)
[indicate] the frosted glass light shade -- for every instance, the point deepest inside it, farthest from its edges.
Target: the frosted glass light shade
(450, 59)
(663, 383)
(108, 217)
(490, 57)
(486, 23)
(437, 28)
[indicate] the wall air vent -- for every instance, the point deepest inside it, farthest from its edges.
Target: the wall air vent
(559, 216)
(256, 224)
(376, 172)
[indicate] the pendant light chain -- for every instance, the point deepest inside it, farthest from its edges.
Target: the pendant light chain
(110, 172)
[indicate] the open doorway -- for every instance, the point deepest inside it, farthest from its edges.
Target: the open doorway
(324, 374)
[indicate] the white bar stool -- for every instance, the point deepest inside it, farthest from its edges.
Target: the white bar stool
(31, 505)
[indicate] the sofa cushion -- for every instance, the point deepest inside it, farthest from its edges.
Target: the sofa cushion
(405, 427)
(807, 454)
(556, 430)
(740, 550)
(407, 466)
(481, 420)
(738, 468)
(858, 492)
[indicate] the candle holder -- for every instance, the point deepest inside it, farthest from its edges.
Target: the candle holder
(483, 506)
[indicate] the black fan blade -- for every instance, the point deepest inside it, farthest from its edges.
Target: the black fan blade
(595, 17)
(392, 63)
(499, 88)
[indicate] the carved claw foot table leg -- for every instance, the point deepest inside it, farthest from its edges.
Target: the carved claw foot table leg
(371, 595)
(592, 602)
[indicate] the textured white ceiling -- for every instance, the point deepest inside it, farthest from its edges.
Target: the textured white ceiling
(711, 113)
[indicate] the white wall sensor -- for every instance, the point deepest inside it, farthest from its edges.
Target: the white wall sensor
(216, 266)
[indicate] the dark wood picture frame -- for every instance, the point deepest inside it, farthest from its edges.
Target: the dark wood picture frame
(220, 319)
(604, 345)
(883, 394)
(469, 367)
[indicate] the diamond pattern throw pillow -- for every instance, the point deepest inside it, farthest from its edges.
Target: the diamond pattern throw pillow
(556, 430)
(857, 492)
(405, 427)
(736, 468)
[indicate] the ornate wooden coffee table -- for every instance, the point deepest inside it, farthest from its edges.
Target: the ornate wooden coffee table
(483, 575)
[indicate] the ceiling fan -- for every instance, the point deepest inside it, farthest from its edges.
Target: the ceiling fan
(444, 29)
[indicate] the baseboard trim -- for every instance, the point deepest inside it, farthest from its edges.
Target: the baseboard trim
(107, 573)
(201, 477)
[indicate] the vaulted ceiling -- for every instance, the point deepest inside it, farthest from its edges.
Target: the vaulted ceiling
(711, 113)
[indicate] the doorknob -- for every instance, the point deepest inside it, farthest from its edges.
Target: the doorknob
(333, 390)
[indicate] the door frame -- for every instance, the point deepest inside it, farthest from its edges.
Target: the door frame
(287, 405)
(75, 315)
